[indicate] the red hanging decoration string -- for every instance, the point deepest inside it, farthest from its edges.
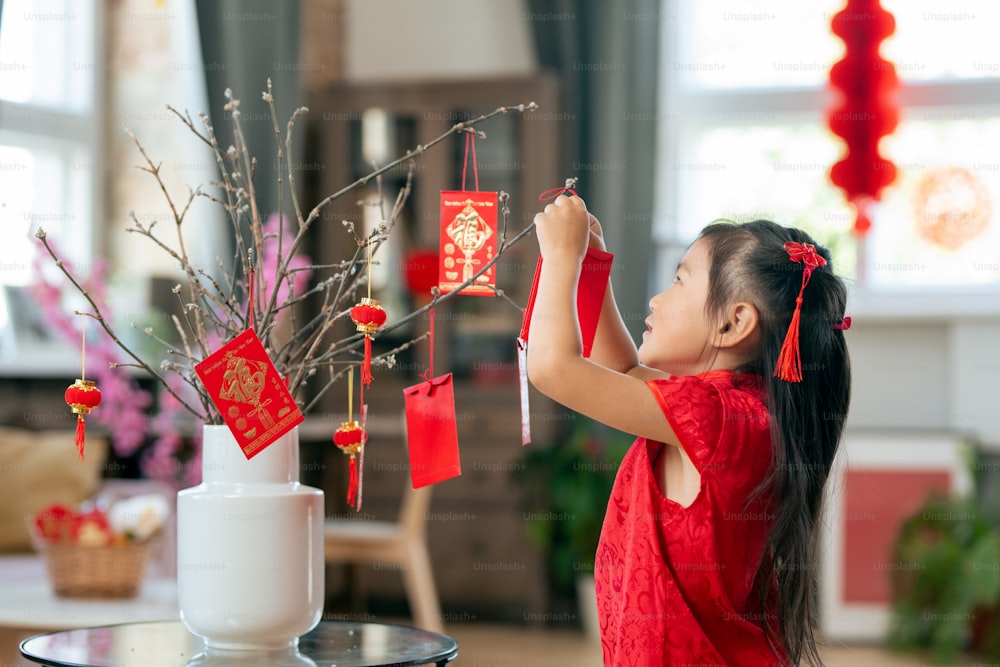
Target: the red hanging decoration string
(251, 321)
(369, 316)
(83, 395)
(789, 366)
(866, 109)
(470, 142)
(428, 375)
(549, 195)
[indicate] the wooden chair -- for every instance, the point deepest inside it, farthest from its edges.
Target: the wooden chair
(402, 543)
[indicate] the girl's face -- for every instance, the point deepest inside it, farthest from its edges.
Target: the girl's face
(678, 334)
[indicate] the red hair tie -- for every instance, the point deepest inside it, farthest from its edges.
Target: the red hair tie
(789, 367)
(844, 324)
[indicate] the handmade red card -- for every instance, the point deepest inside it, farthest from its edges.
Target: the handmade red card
(431, 432)
(468, 241)
(249, 393)
(590, 291)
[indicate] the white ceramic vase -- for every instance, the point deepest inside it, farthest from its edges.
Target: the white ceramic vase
(250, 567)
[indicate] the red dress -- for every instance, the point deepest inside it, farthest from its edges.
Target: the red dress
(673, 582)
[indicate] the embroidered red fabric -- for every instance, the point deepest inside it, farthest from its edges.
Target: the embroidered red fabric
(673, 582)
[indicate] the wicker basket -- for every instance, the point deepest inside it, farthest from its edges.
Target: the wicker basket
(96, 572)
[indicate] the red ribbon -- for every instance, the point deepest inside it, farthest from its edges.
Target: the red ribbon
(551, 194)
(789, 366)
(470, 142)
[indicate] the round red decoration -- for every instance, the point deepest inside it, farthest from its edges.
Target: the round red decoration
(866, 109)
(420, 271)
(350, 438)
(368, 316)
(82, 396)
(952, 206)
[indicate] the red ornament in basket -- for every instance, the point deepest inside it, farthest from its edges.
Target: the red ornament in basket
(97, 553)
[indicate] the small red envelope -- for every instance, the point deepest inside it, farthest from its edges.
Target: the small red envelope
(431, 433)
(249, 393)
(468, 241)
(589, 295)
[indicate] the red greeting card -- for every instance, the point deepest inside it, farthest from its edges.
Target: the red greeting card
(468, 241)
(249, 393)
(589, 295)
(431, 433)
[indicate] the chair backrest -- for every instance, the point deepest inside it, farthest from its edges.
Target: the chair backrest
(416, 502)
(413, 510)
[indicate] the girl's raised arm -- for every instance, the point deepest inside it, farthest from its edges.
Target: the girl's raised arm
(556, 365)
(613, 345)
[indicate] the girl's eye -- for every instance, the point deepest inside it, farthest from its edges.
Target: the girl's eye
(677, 278)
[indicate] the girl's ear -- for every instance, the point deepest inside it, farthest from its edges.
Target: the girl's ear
(739, 325)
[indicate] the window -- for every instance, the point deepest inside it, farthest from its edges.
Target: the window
(50, 71)
(743, 134)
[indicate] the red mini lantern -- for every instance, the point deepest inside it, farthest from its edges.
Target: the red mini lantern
(350, 438)
(866, 110)
(82, 396)
(369, 316)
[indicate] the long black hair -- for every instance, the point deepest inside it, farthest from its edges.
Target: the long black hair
(749, 263)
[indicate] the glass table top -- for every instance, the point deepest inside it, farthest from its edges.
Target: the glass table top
(170, 644)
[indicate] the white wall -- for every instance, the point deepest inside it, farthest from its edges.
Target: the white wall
(927, 373)
(435, 39)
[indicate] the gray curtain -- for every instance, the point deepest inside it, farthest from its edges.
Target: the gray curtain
(243, 43)
(606, 55)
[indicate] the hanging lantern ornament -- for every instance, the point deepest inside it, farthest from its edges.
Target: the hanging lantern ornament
(369, 316)
(350, 439)
(866, 109)
(82, 396)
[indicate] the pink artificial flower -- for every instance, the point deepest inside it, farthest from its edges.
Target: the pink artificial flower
(276, 247)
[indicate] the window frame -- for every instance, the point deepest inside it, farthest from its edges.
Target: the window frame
(49, 126)
(68, 133)
(684, 107)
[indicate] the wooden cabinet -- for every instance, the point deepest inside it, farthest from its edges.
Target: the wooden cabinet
(483, 561)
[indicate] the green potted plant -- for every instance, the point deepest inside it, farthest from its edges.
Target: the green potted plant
(566, 485)
(946, 580)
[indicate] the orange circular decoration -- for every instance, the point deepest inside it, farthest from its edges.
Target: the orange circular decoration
(952, 206)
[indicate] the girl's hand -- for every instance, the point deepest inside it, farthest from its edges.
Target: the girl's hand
(564, 228)
(596, 234)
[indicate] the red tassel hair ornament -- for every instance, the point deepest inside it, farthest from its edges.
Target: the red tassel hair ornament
(789, 366)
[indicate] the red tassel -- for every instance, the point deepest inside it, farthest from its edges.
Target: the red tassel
(366, 367)
(789, 366)
(352, 488)
(81, 427)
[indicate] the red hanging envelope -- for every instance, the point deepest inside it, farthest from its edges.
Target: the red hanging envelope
(468, 241)
(249, 393)
(590, 291)
(431, 433)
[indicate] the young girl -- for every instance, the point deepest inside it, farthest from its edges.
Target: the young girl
(738, 396)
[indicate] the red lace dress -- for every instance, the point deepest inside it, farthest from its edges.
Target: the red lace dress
(673, 582)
